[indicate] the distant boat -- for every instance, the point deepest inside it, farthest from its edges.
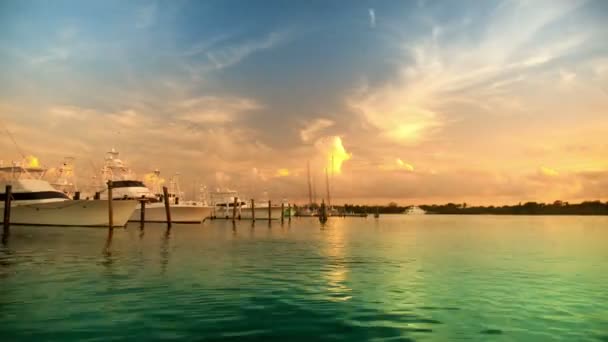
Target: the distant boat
(414, 210)
(224, 207)
(37, 202)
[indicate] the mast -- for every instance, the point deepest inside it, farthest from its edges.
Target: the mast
(309, 185)
(327, 186)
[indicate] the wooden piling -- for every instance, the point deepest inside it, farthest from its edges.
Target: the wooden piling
(167, 206)
(252, 210)
(110, 213)
(282, 212)
(76, 195)
(234, 209)
(142, 213)
(289, 212)
(269, 210)
(97, 196)
(8, 194)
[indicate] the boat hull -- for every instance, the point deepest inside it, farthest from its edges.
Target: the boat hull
(155, 212)
(261, 213)
(78, 213)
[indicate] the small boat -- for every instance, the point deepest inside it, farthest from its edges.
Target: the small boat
(36, 202)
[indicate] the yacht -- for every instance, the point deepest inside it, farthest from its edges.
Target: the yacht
(181, 211)
(36, 202)
(224, 206)
(414, 210)
(124, 183)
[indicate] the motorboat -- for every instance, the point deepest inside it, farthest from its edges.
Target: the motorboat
(36, 202)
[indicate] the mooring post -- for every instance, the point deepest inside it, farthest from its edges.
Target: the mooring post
(289, 212)
(8, 194)
(76, 196)
(97, 196)
(269, 211)
(110, 213)
(252, 209)
(167, 206)
(282, 212)
(234, 209)
(142, 213)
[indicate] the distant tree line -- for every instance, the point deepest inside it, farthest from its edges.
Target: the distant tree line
(391, 208)
(528, 208)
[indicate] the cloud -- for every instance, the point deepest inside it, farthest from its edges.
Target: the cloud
(145, 16)
(332, 153)
(283, 172)
(547, 172)
(223, 57)
(214, 109)
(372, 18)
(311, 130)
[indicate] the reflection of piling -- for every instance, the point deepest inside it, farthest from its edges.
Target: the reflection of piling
(167, 206)
(8, 194)
(234, 209)
(76, 195)
(252, 210)
(110, 213)
(142, 213)
(269, 211)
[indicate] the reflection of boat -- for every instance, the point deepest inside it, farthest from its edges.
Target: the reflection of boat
(36, 202)
(414, 210)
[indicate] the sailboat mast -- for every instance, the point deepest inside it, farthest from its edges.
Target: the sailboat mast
(327, 186)
(309, 185)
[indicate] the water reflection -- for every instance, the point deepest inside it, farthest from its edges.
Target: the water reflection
(336, 270)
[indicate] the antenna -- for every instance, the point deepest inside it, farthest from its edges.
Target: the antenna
(10, 135)
(327, 186)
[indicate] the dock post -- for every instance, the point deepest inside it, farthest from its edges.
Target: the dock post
(8, 194)
(282, 212)
(269, 211)
(167, 206)
(289, 212)
(110, 213)
(234, 209)
(252, 210)
(76, 196)
(142, 213)
(97, 196)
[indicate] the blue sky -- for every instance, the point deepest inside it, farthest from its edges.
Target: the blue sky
(421, 94)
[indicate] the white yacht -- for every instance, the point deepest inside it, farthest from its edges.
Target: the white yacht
(124, 183)
(36, 202)
(181, 211)
(414, 210)
(224, 201)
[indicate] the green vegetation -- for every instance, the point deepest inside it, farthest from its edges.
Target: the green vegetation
(529, 208)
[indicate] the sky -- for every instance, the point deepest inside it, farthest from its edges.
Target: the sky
(416, 102)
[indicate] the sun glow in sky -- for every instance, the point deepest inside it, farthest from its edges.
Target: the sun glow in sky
(415, 101)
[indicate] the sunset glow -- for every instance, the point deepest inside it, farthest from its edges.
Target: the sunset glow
(414, 102)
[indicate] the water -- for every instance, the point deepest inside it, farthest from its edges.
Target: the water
(399, 278)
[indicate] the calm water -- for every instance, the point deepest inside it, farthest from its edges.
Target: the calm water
(434, 278)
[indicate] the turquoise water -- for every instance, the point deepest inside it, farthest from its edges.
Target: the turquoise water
(399, 278)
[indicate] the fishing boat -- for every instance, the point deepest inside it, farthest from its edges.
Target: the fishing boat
(126, 186)
(36, 202)
(414, 210)
(181, 211)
